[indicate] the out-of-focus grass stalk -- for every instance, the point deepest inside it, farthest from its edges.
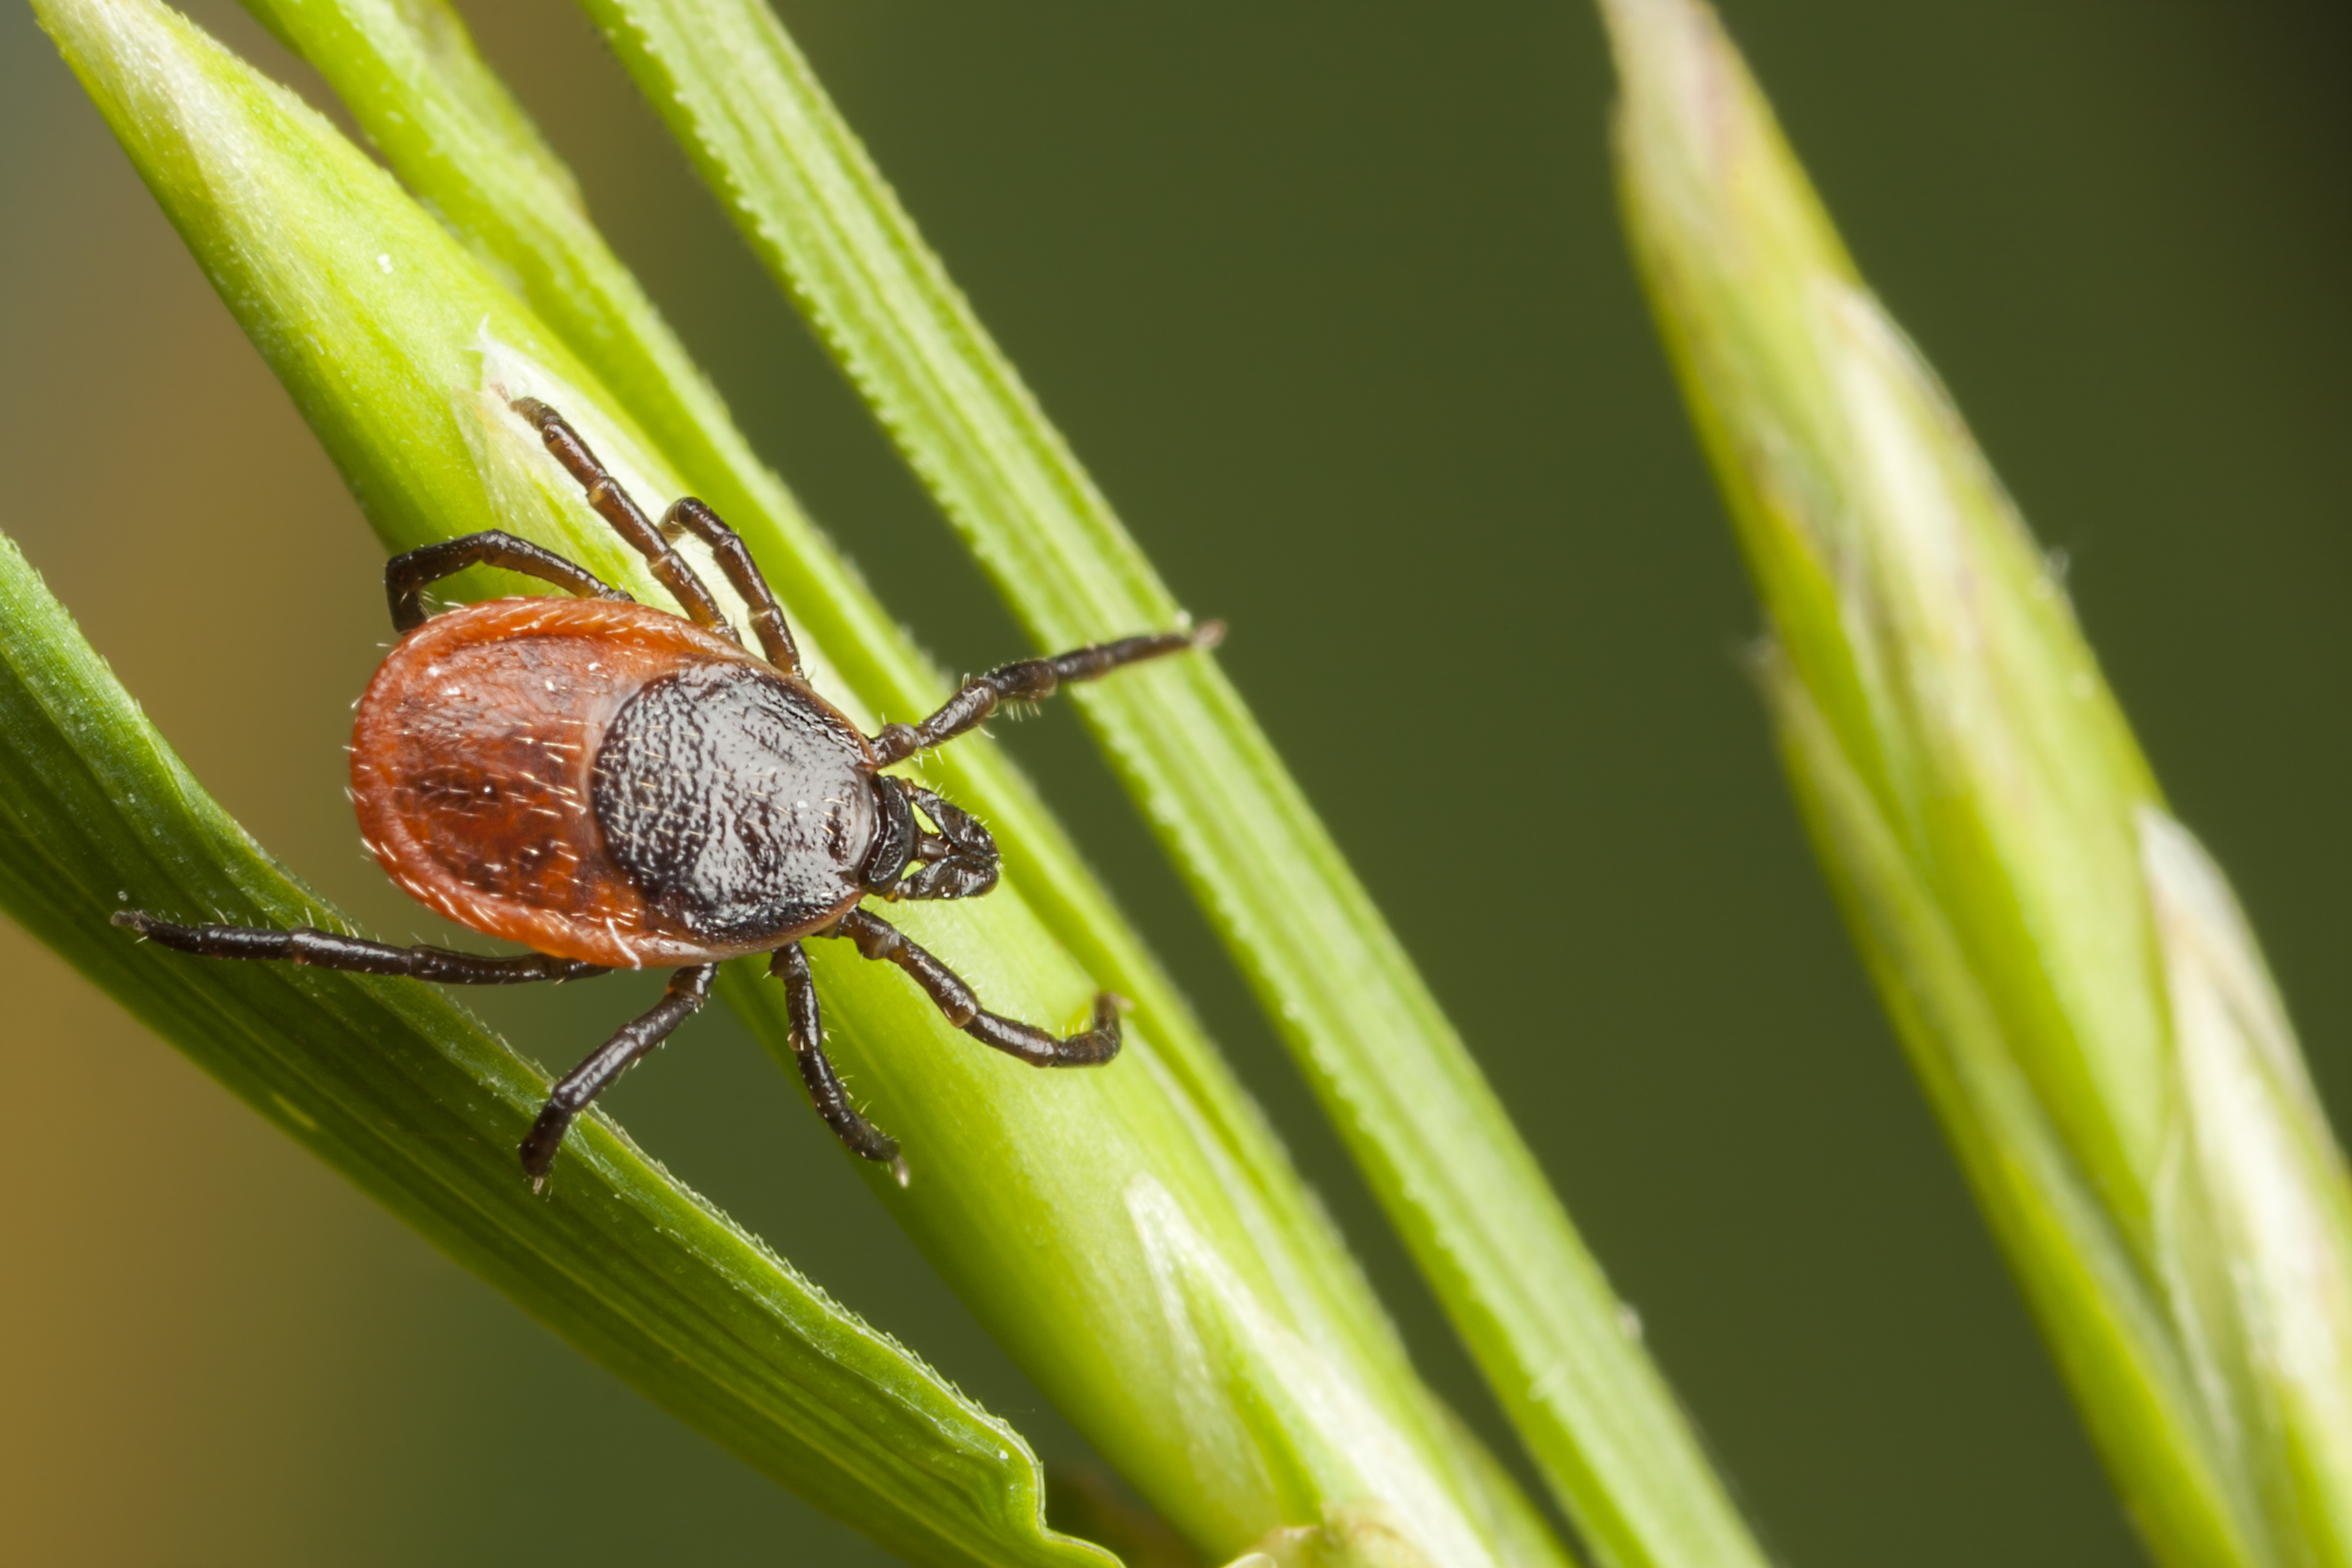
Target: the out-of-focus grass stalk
(2066, 967)
(1095, 1221)
(1435, 1144)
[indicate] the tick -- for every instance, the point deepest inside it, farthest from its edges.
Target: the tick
(613, 787)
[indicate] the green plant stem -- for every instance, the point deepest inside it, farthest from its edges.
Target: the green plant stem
(2075, 983)
(1094, 1221)
(420, 1108)
(1435, 1144)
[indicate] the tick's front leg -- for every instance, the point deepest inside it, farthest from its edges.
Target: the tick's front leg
(878, 939)
(1032, 681)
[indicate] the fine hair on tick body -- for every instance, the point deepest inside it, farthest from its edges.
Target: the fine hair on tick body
(613, 787)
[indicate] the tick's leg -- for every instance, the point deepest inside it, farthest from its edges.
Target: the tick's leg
(790, 965)
(688, 515)
(877, 938)
(325, 950)
(613, 504)
(407, 575)
(582, 1084)
(1029, 679)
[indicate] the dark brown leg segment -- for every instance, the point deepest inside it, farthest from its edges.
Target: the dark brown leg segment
(325, 950)
(582, 1084)
(1029, 681)
(878, 939)
(688, 515)
(408, 574)
(613, 504)
(791, 966)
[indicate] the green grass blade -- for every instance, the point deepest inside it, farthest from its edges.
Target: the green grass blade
(1095, 1221)
(447, 125)
(417, 1105)
(2073, 982)
(1435, 1144)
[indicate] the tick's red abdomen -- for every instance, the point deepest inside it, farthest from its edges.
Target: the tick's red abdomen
(473, 769)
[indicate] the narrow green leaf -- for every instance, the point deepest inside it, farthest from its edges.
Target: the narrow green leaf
(1436, 1145)
(1097, 1221)
(412, 1100)
(2071, 978)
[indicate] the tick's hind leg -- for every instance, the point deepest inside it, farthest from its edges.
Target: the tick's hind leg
(325, 950)
(408, 574)
(582, 1084)
(878, 938)
(790, 965)
(1031, 680)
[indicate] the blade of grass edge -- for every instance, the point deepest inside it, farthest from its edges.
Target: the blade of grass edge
(421, 1108)
(1175, 1317)
(2071, 978)
(1436, 1146)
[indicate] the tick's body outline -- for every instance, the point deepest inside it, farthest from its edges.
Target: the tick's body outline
(613, 786)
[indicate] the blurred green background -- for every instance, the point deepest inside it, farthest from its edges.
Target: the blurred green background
(1334, 302)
